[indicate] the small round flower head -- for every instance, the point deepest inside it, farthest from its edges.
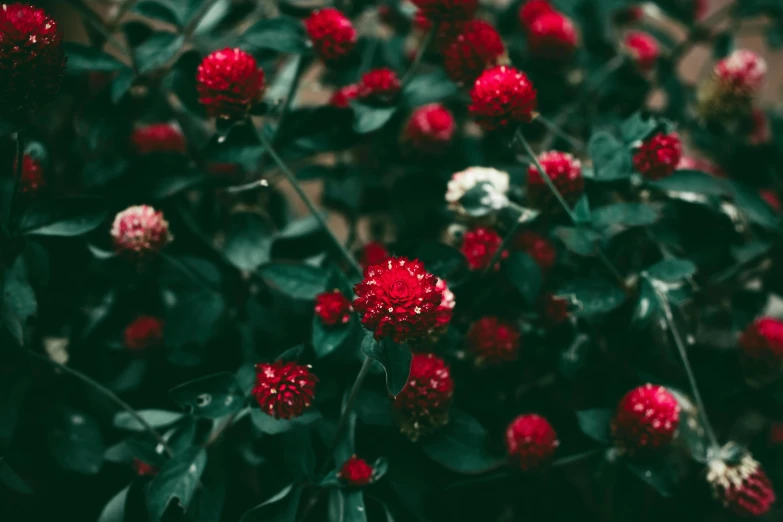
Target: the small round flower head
(32, 60)
(495, 184)
(32, 180)
(143, 469)
(502, 96)
(530, 10)
(423, 404)
(646, 419)
(530, 442)
(537, 247)
(729, 93)
(333, 308)
(552, 36)
(398, 299)
(742, 71)
(139, 231)
(479, 246)
(355, 472)
(658, 156)
(429, 129)
(284, 390)
(703, 165)
(159, 137)
(564, 170)
(372, 253)
(143, 333)
(493, 341)
(379, 85)
(643, 49)
(229, 83)
(761, 345)
(331, 33)
(341, 98)
(446, 10)
(741, 485)
(476, 47)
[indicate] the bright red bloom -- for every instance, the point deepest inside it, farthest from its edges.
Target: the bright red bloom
(283, 389)
(564, 170)
(429, 129)
(143, 333)
(331, 33)
(229, 83)
(479, 246)
(140, 230)
(333, 308)
(762, 344)
(646, 418)
(143, 469)
(477, 46)
(159, 137)
(423, 405)
(530, 441)
(380, 85)
(536, 246)
(398, 299)
(658, 156)
(742, 71)
(440, 10)
(552, 36)
(530, 10)
(493, 341)
(703, 165)
(32, 179)
(341, 98)
(554, 310)
(372, 253)
(502, 96)
(643, 48)
(772, 199)
(32, 60)
(355, 472)
(742, 486)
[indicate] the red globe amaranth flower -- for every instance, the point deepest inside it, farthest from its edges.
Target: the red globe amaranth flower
(429, 129)
(658, 156)
(703, 165)
(552, 36)
(646, 418)
(32, 60)
(331, 33)
(771, 197)
(477, 46)
(32, 179)
(564, 170)
(493, 341)
(143, 469)
(729, 93)
(537, 247)
(140, 230)
(372, 253)
(159, 137)
(643, 49)
(341, 98)
(530, 441)
(762, 345)
(398, 299)
(333, 308)
(423, 404)
(447, 10)
(741, 486)
(742, 71)
(355, 472)
(379, 85)
(229, 83)
(529, 11)
(479, 246)
(502, 96)
(283, 389)
(554, 310)
(143, 333)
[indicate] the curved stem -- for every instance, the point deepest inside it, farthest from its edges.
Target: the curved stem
(570, 459)
(555, 130)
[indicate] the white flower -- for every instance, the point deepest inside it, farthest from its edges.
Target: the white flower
(495, 182)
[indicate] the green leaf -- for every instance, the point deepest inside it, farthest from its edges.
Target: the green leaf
(582, 211)
(592, 296)
(76, 442)
(13, 389)
(611, 159)
(753, 205)
(428, 88)
(297, 281)
(19, 302)
(82, 58)
(647, 306)
(155, 418)
(374, 409)
(282, 34)
(271, 426)
(461, 446)
(174, 12)
(212, 396)
(395, 359)
(327, 339)
(9, 477)
(369, 119)
(121, 84)
(114, 510)
(248, 241)
(346, 505)
(579, 240)
(637, 128)
(672, 270)
(192, 318)
(440, 259)
(157, 50)
(66, 217)
(691, 185)
(691, 431)
(595, 423)
(723, 45)
(656, 473)
(177, 479)
(280, 508)
(525, 274)
(625, 214)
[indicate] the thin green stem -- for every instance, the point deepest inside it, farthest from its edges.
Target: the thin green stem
(555, 129)
(17, 182)
(570, 459)
(420, 55)
(503, 245)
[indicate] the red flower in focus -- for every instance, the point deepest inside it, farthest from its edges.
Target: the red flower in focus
(143, 333)
(530, 441)
(554, 310)
(643, 48)
(646, 418)
(32, 179)
(703, 165)
(423, 405)
(379, 85)
(143, 469)
(284, 390)
(476, 47)
(140, 230)
(372, 253)
(333, 308)
(658, 156)
(355, 472)
(331, 33)
(429, 129)
(159, 137)
(493, 341)
(341, 98)
(32, 60)
(762, 345)
(229, 83)
(530, 10)
(536, 246)
(441, 10)
(479, 246)
(564, 170)
(502, 96)
(742, 486)
(398, 299)
(552, 36)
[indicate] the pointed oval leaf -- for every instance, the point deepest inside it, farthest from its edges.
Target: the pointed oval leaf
(395, 359)
(177, 480)
(212, 396)
(462, 445)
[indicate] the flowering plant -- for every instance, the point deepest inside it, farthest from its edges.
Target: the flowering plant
(296, 261)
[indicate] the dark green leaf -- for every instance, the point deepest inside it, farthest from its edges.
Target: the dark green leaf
(672, 270)
(121, 84)
(637, 128)
(346, 505)
(155, 418)
(327, 339)
(114, 510)
(691, 185)
(369, 119)
(525, 274)
(297, 281)
(582, 211)
(691, 431)
(280, 508)
(177, 479)
(271, 426)
(82, 58)
(64, 217)
(722, 46)
(212, 396)
(461, 446)
(753, 205)
(9, 477)
(175, 12)
(611, 159)
(19, 302)
(13, 389)
(647, 306)
(595, 424)
(248, 240)
(579, 240)
(193, 317)
(440, 259)
(282, 34)
(374, 409)
(592, 296)
(76, 442)
(625, 214)
(655, 472)
(428, 88)
(395, 359)
(157, 50)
